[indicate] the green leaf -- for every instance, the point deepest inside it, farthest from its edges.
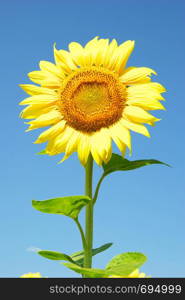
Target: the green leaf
(121, 265)
(91, 273)
(53, 255)
(42, 152)
(78, 257)
(118, 163)
(75, 258)
(67, 206)
(125, 263)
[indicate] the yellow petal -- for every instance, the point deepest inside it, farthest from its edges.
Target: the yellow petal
(142, 275)
(137, 114)
(45, 78)
(64, 59)
(121, 146)
(145, 98)
(75, 47)
(96, 142)
(50, 148)
(124, 51)
(109, 55)
(147, 91)
(146, 103)
(49, 67)
(116, 138)
(31, 275)
(88, 58)
(34, 111)
(135, 127)
(77, 53)
(101, 144)
(81, 56)
(157, 86)
(44, 120)
(113, 59)
(95, 154)
(36, 90)
(60, 62)
(107, 142)
(91, 48)
(40, 99)
(153, 87)
(136, 274)
(92, 44)
(67, 59)
(84, 148)
(137, 75)
(51, 132)
(62, 139)
(100, 52)
(90, 52)
(122, 133)
(71, 145)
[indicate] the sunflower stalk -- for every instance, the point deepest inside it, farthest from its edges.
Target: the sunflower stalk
(89, 213)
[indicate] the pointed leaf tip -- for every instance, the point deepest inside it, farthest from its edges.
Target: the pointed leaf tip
(53, 255)
(78, 257)
(118, 163)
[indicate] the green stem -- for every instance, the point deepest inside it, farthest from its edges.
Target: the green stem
(81, 233)
(89, 213)
(97, 189)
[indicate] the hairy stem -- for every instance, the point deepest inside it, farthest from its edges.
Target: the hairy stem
(97, 189)
(89, 213)
(81, 233)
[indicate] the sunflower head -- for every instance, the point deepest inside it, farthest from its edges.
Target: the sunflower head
(89, 98)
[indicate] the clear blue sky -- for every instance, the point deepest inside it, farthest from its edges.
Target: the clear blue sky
(142, 210)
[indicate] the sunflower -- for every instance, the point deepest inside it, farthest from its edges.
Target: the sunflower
(134, 274)
(31, 275)
(89, 99)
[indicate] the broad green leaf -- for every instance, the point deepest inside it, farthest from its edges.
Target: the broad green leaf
(118, 163)
(125, 263)
(121, 265)
(53, 255)
(67, 206)
(91, 273)
(78, 257)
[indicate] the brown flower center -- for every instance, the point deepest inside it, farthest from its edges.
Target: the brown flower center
(92, 98)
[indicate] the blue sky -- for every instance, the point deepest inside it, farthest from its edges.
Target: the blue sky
(142, 210)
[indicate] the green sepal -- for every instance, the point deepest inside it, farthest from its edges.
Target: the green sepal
(67, 206)
(42, 152)
(125, 263)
